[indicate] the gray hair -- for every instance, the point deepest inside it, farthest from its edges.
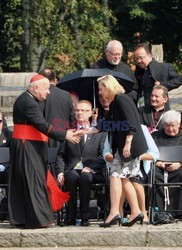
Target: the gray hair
(38, 82)
(114, 44)
(171, 116)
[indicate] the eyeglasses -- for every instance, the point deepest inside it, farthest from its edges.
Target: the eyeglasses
(1, 121)
(81, 110)
(140, 57)
(114, 54)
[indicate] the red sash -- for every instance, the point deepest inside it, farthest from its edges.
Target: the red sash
(28, 132)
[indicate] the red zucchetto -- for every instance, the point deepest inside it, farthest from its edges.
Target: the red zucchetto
(37, 78)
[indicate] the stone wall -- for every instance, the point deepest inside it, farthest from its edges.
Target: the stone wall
(13, 84)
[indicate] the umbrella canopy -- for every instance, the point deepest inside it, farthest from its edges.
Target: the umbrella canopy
(84, 82)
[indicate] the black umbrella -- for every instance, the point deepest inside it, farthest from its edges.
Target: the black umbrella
(84, 83)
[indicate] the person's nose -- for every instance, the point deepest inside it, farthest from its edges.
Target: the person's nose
(170, 128)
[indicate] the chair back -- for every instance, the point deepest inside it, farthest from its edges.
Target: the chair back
(4, 155)
(170, 153)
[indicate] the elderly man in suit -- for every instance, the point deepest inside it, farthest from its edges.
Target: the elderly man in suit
(113, 61)
(81, 165)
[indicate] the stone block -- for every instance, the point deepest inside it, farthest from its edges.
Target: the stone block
(84, 238)
(164, 238)
(10, 238)
(15, 79)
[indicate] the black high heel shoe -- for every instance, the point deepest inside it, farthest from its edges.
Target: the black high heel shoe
(116, 219)
(131, 223)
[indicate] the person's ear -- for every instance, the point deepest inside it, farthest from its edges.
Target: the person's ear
(36, 89)
(165, 99)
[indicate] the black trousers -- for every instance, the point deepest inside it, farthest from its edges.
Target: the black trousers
(75, 179)
(175, 193)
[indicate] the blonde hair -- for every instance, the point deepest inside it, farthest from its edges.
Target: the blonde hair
(112, 85)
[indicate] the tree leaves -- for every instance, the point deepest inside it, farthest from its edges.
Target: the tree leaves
(68, 34)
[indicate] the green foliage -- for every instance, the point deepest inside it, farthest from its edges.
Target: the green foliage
(69, 34)
(10, 35)
(81, 37)
(156, 22)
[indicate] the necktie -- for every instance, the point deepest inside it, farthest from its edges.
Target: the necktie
(81, 143)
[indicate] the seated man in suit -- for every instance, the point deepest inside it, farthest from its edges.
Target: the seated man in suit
(81, 165)
(5, 139)
(151, 116)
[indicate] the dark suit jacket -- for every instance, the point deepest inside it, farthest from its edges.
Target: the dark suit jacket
(69, 154)
(5, 137)
(5, 140)
(123, 110)
(162, 72)
(58, 110)
(146, 116)
(165, 74)
(121, 67)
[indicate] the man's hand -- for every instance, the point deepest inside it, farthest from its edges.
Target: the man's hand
(95, 113)
(157, 83)
(80, 132)
(72, 136)
(173, 167)
(86, 170)
(61, 178)
(85, 131)
(160, 164)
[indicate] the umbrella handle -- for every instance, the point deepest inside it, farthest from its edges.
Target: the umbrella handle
(94, 106)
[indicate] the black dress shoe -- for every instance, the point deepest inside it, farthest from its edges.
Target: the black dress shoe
(70, 222)
(114, 221)
(84, 223)
(137, 218)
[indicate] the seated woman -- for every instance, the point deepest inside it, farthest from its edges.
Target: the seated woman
(170, 135)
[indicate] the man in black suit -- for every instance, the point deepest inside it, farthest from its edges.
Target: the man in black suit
(81, 165)
(5, 139)
(112, 61)
(58, 107)
(150, 72)
(151, 116)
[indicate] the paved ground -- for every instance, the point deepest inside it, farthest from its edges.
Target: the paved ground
(94, 248)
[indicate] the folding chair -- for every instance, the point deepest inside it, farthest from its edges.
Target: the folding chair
(167, 154)
(102, 190)
(99, 190)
